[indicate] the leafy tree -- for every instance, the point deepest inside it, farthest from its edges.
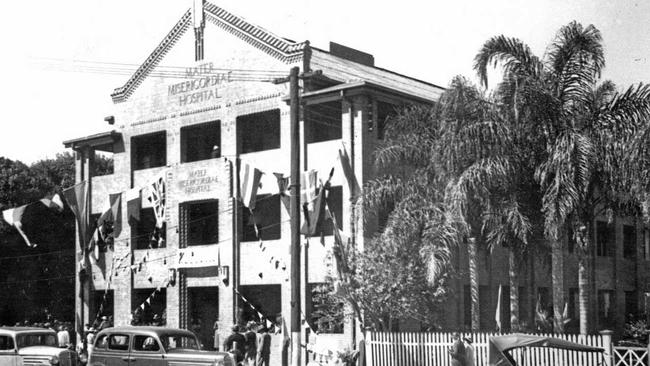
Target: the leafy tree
(328, 313)
(41, 277)
(403, 270)
(583, 128)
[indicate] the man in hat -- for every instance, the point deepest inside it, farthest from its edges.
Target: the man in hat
(469, 352)
(457, 351)
(235, 343)
(263, 346)
(251, 343)
(63, 336)
(104, 324)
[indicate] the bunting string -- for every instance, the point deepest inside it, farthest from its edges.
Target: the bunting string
(148, 300)
(269, 323)
(276, 263)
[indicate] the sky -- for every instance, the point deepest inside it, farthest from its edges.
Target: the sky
(45, 99)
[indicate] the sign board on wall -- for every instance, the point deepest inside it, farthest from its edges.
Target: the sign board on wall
(199, 182)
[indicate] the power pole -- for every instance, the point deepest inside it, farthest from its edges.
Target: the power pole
(294, 212)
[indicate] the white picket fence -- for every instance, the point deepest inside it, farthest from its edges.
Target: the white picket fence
(431, 349)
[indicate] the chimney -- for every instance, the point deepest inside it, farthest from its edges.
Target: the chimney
(352, 54)
(199, 25)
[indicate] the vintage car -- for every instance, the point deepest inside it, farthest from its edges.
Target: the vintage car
(501, 349)
(33, 346)
(152, 346)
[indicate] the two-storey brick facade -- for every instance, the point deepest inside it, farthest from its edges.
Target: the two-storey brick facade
(204, 100)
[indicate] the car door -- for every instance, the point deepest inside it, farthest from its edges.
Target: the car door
(118, 350)
(147, 350)
(8, 352)
(100, 351)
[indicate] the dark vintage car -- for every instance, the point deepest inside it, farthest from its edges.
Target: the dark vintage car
(33, 346)
(500, 348)
(152, 346)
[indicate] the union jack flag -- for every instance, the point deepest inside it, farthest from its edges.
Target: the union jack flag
(156, 195)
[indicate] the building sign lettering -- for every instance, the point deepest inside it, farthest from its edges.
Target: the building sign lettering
(198, 182)
(201, 88)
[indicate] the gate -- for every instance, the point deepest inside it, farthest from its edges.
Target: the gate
(631, 356)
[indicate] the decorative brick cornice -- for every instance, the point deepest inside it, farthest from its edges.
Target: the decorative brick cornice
(279, 48)
(122, 93)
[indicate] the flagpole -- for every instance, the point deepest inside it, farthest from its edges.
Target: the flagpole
(294, 211)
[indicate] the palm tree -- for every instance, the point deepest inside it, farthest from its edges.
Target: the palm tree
(582, 127)
(456, 158)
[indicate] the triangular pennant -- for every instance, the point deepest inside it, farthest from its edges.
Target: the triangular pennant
(77, 197)
(54, 203)
(283, 188)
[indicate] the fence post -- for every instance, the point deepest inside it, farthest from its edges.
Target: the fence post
(609, 348)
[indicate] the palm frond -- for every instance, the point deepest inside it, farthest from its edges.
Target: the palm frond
(565, 178)
(575, 42)
(475, 183)
(514, 55)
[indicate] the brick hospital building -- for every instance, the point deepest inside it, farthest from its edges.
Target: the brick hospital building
(205, 99)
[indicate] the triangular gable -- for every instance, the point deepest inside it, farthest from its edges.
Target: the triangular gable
(277, 47)
(122, 93)
(262, 39)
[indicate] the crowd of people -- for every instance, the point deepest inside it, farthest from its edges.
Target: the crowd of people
(64, 330)
(250, 344)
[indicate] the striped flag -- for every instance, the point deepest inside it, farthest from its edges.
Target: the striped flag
(14, 216)
(308, 186)
(249, 180)
(497, 316)
(133, 203)
(353, 184)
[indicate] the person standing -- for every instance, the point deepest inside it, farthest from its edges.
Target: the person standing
(470, 359)
(235, 344)
(90, 341)
(215, 330)
(251, 344)
(63, 336)
(263, 346)
(457, 351)
(104, 323)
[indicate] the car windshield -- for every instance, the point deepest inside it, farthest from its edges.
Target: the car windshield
(178, 341)
(36, 339)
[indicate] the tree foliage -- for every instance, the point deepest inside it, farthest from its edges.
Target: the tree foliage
(41, 277)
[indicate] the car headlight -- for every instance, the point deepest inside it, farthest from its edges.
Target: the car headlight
(54, 360)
